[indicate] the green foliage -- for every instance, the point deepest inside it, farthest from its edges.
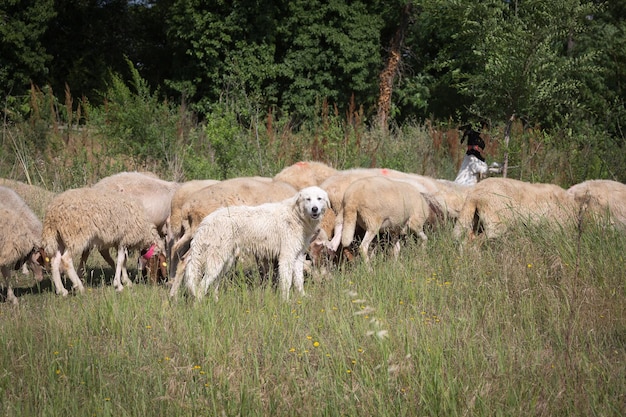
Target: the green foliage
(136, 123)
(23, 58)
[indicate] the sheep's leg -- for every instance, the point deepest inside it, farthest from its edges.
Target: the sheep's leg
(6, 273)
(336, 240)
(397, 246)
(178, 253)
(106, 255)
(365, 245)
(68, 264)
(55, 264)
(125, 279)
(121, 257)
(82, 266)
(178, 276)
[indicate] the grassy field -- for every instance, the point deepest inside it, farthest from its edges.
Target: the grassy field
(534, 324)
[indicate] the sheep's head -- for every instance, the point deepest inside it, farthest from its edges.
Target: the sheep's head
(36, 261)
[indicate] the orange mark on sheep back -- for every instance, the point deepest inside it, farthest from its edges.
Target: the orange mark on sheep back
(301, 164)
(384, 171)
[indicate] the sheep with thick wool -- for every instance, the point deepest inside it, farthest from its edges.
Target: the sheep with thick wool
(13, 200)
(242, 191)
(154, 194)
(20, 238)
(336, 185)
(305, 174)
(495, 204)
(180, 197)
(37, 198)
(603, 199)
(79, 219)
(17, 244)
(379, 204)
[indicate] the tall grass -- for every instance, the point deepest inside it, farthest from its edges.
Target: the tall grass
(533, 324)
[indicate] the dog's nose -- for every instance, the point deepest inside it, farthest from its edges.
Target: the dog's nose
(314, 209)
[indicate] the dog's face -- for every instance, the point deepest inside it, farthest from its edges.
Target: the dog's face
(313, 202)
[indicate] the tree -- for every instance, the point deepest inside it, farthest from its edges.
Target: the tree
(388, 74)
(23, 58)
(524, 65)
(288, 54)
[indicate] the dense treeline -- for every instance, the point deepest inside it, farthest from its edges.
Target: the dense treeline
(555, 65)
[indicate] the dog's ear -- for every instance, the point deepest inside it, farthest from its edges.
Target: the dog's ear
(327, 200)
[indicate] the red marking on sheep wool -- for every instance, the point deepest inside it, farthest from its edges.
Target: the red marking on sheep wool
(149, 252)
(384, 171)
(301, 164)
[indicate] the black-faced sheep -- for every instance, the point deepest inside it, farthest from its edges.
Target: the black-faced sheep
(79, 219)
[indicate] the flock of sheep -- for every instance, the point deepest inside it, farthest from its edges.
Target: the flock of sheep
(192, 232)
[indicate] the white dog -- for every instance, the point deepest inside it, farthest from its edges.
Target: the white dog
(280, 230)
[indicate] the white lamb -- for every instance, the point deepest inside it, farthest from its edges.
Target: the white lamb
(79, 219)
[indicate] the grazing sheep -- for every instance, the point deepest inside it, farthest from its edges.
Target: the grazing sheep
(244, 191)
(280, 230)
(153, 193)
(9, 199)
(379, 204)
(81, 218)
(337, 184)
(36, 197)
(450, 197)
(305, 174)
(603, 198)
(494, 204)
(17, 244)
(182, 194)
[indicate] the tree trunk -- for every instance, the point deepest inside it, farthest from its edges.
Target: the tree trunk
(388, 74)
(507, 137)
